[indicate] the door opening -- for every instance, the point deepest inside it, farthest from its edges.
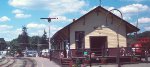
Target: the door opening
(97, 44)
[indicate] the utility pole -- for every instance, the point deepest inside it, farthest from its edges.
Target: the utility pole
(49, 20)
(137, 24)
(38, 46)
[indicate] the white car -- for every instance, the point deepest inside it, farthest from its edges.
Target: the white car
(2, 54)
(45, 53)
(1, 57)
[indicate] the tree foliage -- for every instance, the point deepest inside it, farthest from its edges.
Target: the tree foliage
(44, 41)
(32, 43)
(140, 35)
(3, 44)
(23, 39)
(133, 38)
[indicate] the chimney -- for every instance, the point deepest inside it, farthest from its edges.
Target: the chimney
(74, 20)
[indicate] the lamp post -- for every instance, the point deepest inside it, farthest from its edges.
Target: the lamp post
(118, 54)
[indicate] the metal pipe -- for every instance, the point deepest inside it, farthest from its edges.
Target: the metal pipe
(118, 55)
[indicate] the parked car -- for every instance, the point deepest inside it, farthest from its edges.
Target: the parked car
(2, 54)
(45, 53)
(31, 53)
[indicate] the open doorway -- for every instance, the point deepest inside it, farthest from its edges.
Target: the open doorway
(97, 44)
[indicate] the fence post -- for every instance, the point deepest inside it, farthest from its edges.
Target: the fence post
(146, 57)
(90, 60)
(118, 57)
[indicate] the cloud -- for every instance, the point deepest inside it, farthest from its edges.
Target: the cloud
(5, 27)
(134, 8)
(17, 11)
(61, 18)
(23, 15)
(10, 33)
(35, 25)
(144, 20)
(86, 11)
(21, 3)
(33, 29)
(147, 28)
(58, 8)
(20, 14)
(54, 29)
(66, 5)
(129, 11)
(38, 29)
(7, 32)
(4, 19)
(114, 11)
(109, 7)
(135, 0)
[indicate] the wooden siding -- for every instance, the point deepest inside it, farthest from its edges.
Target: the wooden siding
(92, 20)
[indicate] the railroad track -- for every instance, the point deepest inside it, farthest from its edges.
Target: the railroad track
(18, 62)
(28, 62)
(5, 61)
(8, 62)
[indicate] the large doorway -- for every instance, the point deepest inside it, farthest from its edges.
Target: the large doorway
(97, 44)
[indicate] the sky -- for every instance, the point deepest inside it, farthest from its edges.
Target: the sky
(14, 14)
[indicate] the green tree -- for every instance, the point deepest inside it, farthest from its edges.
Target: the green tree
(44, 41)
(3, 44)
(132, 39)
(34, 41)
(144, 34)
(23, 39)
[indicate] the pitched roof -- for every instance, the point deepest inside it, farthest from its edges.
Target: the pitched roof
(130, 27)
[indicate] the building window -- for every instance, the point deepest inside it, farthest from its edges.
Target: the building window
(79, 39)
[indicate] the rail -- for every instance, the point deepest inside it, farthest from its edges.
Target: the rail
(8, 62)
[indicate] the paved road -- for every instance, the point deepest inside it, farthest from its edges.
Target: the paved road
(44, 62)
(27, 62)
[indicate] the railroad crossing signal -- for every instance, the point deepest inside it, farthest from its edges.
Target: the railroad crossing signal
(49, 19)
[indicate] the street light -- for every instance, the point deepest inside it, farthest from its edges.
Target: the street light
(118, 55)
(49, 20)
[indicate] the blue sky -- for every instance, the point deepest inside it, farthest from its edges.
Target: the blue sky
(17, 13)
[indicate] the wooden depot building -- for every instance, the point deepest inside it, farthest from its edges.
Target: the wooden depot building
(94, 31)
